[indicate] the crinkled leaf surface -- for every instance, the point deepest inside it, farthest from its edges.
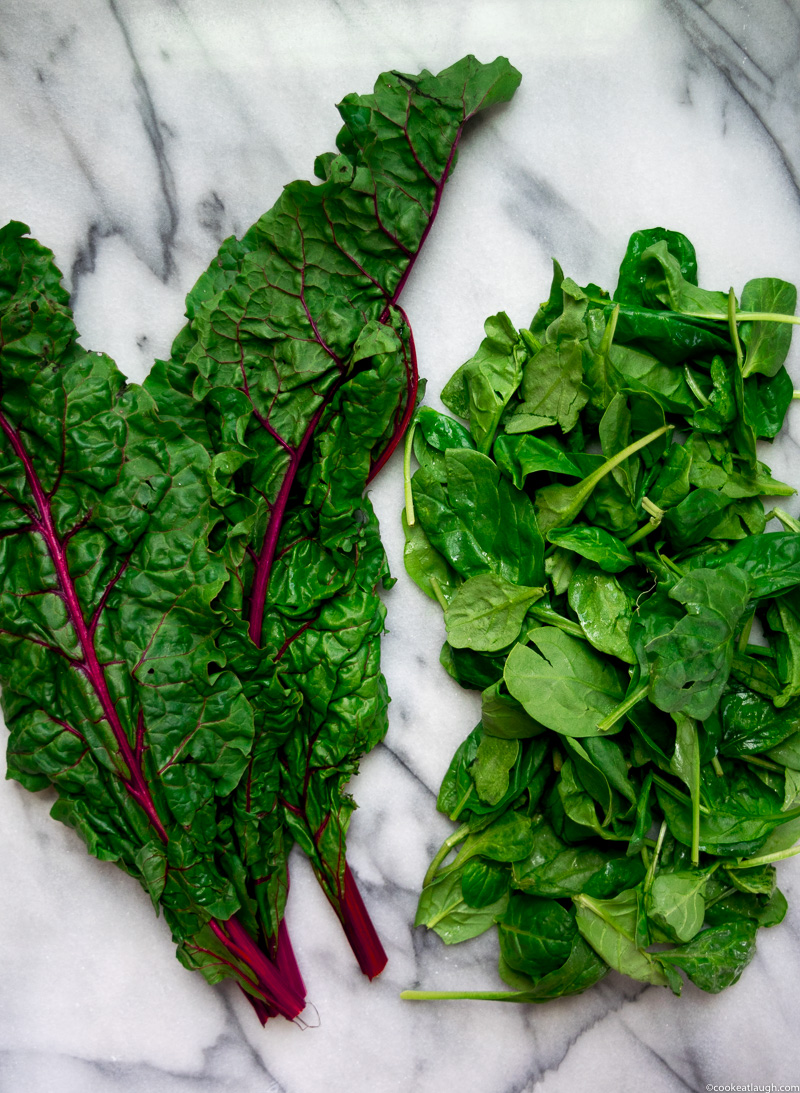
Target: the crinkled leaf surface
(111, 675)
(295, 347)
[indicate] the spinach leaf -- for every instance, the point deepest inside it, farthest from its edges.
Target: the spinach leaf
(605, 550)
(609, 926)
(519, 456)
(603, 609)
(633, 273)
(736, 823)
(558, 870)
(564, 685)
(443, 909)
(478, 521)
(719, 409)
(558, 506)
(440, 431)
(459, 793)
(767, 342)
(482, 387)
(691, 520)
(667, 335)
(663, 730)
(484, 882)
(751, 725)
(675, 903)
(582, 969)
(503, 716)
(783, 617)
(690, 664)
(717, 957)
(666, 284)
(425, 566)
(492, 766)
(552, 383)
(486, 613)
(766, 402)
(771, 561)
(536, 935)
(739, 907)
(671, 485)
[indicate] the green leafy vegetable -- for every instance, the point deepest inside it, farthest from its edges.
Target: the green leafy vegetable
(299, 367)
(112, 684)
(638, 757)
(563, 685)
(486, 612)
(597, 545)
(191, 571)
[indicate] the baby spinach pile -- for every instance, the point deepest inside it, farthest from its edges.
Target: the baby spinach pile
(597, 541)
(189, 617)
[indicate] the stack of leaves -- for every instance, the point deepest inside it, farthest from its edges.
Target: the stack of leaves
(189, 618)
(596, 539)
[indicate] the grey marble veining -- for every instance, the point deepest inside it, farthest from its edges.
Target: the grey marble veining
(134, 136)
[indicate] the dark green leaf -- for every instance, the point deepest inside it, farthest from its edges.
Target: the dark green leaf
(690, 664)
(564, 685)
(484, 882)
(519, 456)
(486, 613)
(600, 547)
(717, 958)
(443, 908)
(536, 935)
(481, 388)
(603, 609)
(767, 342)
(675, 903)
(633, 272)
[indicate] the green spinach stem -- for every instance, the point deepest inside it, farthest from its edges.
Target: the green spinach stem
(733, 318)
(478, 996)
(695, 794)
(676, 793)
(437, 591)
(443, 851)
(788, 521)
(610, 720)
(694, 387)
(651, 869)
(765, 859)
(547, 614)
(407, 450)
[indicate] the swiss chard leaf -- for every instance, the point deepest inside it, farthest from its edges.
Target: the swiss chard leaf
(295, 348)
(111, 672)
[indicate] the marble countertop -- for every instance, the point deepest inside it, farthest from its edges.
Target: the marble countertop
(137, 134)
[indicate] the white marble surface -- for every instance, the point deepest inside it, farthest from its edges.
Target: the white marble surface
(134, 136)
